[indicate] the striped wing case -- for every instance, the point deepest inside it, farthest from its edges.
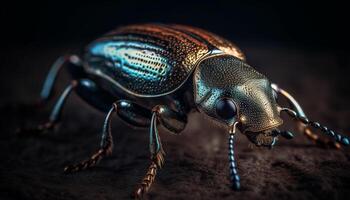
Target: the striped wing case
(152, 60)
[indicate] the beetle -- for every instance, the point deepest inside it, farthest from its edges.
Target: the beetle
(155, 74)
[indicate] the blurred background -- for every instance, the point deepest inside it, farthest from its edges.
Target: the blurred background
(302, 46)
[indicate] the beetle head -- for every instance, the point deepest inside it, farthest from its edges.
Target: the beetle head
(233, 93)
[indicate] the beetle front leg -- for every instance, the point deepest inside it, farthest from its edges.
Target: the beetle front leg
(175, 123)
(105, 149)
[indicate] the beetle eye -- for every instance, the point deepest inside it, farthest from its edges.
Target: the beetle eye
(226, 109)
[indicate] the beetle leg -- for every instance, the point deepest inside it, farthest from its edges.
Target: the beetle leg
(171, 120)
(87, 90)
(72, 62)
(325, 142)
(105, 149)
(133, 114)
(129, 112)
(157, 159)
(55, 114)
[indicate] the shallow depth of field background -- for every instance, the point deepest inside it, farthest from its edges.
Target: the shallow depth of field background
(302, 47)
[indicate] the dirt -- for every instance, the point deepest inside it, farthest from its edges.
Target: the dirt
(196, 165)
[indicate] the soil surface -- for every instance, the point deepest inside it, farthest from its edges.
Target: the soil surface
(196, 165)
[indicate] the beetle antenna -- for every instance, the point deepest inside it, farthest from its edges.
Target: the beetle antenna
(232, 162)
(325, 130)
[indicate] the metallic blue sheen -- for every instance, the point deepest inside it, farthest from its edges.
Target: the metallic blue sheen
(345, 141)
(57, 110)
(51, 77)
(135, 59)
(338, 137)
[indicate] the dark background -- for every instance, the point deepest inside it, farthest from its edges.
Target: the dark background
(302, 46)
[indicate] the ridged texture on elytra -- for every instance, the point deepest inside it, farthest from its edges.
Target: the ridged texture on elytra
(216, 41)
(152, 59)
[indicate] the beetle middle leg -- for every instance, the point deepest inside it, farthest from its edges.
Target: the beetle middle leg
(131, 113)
(105, 149)
(174, 122)
(139, 116)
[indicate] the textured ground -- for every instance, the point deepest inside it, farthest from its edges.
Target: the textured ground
(196, 163)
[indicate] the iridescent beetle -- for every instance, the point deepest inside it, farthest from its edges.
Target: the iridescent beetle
(152, 74)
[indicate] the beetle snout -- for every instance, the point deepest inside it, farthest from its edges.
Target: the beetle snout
(261, 122)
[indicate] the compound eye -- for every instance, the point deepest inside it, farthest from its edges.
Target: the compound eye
(226, 109)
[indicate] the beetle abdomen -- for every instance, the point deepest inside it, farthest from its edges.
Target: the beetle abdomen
(151, 60)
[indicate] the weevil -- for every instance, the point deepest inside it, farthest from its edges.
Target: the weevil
(155, 74)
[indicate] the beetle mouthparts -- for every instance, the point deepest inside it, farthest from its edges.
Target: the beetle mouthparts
(267, 138)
